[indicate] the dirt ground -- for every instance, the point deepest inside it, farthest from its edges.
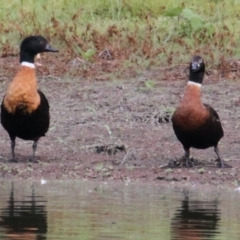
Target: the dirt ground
(120, 129)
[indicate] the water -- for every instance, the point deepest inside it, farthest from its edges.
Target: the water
(103, 211)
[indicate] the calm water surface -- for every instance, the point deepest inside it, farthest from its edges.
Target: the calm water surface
(104, 211)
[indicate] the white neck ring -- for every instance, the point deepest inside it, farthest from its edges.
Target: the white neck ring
(194, 83)
(28, 64)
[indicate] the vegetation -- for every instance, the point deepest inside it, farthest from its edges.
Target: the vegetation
(138, 33)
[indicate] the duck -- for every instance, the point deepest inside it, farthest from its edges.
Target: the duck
(25, 109)
(195, 124)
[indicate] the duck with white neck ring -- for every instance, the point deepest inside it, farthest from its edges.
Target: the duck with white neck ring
(196, 124)
(25, 109)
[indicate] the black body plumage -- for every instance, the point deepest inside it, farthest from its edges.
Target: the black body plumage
(24, 125)
(205, 136)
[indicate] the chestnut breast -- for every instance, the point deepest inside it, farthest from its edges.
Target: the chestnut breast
(191, 113)
(22, 91)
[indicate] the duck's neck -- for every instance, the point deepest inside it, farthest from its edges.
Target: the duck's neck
(196, 77)
(192, 93)
(26, 57)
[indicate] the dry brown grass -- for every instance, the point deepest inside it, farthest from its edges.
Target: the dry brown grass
(115, 41)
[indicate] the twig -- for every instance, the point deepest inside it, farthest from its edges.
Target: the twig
(125, 157)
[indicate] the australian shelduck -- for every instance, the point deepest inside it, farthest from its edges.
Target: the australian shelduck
(196, 124)
(25, 109)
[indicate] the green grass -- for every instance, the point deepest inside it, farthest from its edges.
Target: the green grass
(143, 33)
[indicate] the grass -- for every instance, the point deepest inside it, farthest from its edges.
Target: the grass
(138, 33)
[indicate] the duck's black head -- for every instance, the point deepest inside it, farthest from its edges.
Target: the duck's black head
(197, 69)
(33, 45)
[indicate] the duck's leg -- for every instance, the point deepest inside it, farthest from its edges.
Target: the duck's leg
(13, 138)
(187, 154)
(221, 164)
(34, 147)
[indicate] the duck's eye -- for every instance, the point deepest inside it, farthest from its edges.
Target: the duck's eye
(40, 41)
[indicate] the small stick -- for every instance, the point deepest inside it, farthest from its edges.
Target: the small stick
(125, 157)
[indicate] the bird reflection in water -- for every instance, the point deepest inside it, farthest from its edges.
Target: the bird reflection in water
(195, 220)
(26, 219)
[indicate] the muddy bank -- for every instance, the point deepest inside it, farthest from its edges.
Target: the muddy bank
(120, 130)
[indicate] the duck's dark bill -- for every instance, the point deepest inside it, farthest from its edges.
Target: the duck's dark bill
(49, 48)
